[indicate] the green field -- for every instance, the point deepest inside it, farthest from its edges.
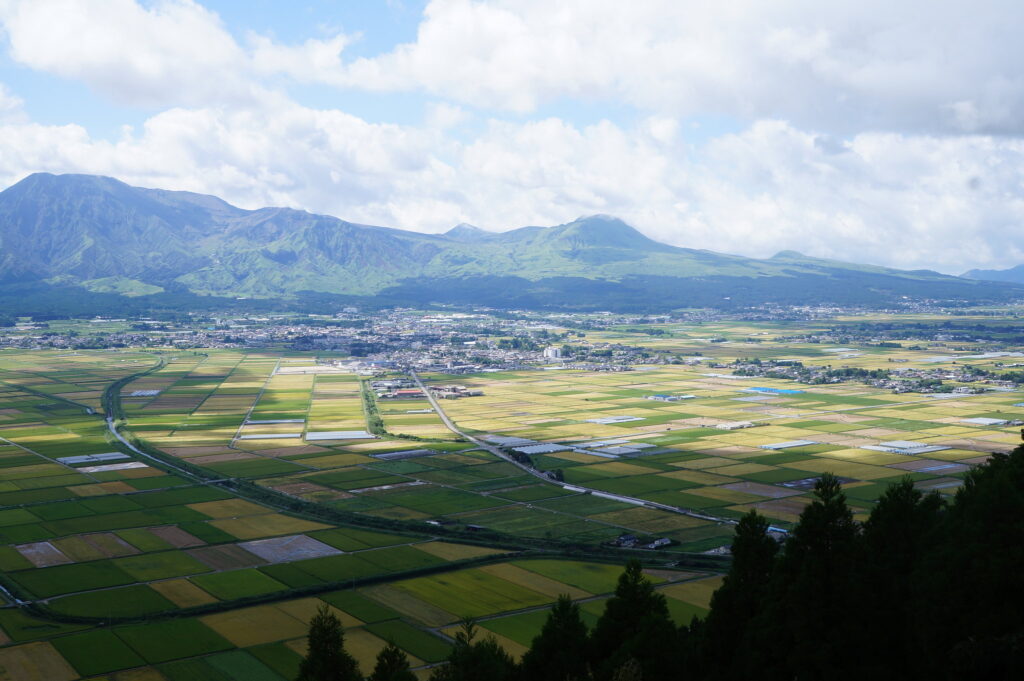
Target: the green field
(129, 537)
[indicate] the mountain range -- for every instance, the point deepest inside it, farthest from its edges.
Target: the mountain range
(1013, 275)
(94, 243)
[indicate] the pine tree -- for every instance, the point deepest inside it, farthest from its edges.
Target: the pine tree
(635, 623)
(973, 576)
(483, 660)
(811, 619)
(392, 665)
(896, 538)
(740, 598)
(326, 659)
(559, 652)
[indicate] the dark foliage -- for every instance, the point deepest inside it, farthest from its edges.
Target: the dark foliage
(560, 651)
(326, 659)
(635, 624)
(483, 660)
(392, 665)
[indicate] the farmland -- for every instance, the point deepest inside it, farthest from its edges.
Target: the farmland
(97, 534)
(252, 486)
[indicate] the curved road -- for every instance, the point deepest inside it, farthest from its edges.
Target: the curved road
(537, 474)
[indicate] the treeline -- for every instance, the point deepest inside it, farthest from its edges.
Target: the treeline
(923, 589)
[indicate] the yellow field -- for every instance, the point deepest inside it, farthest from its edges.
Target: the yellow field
(229, 508)
(182, 593)
(531, 580)
(697, 592)
(34, 662)
(449, 551)
(266, 525)
(407, 604)
(253, 626)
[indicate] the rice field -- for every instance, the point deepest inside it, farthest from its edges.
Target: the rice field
(88, 527)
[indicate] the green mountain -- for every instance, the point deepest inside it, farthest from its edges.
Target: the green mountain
(97, 241)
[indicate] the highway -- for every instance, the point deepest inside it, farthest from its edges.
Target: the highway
(498, 452)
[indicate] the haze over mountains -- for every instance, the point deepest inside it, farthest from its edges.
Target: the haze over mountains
(1013, 275)
(88, 241)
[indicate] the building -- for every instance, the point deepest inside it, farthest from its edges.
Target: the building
(734, 425)
(408, 393)
(626, 541)
(552, 352)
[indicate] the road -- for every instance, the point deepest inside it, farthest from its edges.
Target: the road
(498, 452)
(135, 450)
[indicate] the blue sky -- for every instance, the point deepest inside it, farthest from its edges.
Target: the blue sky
(880, 132)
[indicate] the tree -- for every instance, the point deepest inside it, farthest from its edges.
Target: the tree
(739, 599)
(483, 660)
(896, 537)
(635, 623)
(392, 665)
(326, 659)
(810, 623)
(630, 670)
(559, 652)
(973, 572)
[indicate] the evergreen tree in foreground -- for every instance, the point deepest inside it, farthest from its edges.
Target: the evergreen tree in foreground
(972, 593)
(808, 626)
(559, 652)
(724, 635)
(326, 659)
(635, 624)
(392, 665)
(896, 538)
(482, 660)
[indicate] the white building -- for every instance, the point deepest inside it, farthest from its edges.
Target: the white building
(552, 352)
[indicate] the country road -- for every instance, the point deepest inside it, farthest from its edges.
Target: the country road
(497, 451)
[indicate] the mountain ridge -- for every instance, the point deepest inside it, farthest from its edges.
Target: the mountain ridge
(1013, 275)
(97, 233)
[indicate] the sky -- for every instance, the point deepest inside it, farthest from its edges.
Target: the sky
(880, 132)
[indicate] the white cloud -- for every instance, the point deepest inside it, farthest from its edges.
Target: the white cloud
(915, 65)
(910, 66)
(877, 64)
(174, 52)
(168, 53)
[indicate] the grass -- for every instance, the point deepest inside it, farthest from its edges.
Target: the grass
(440, 501)
(521, 628)
(596, 578)
(21, 627)
(280, 658)
(64, 579)
(415, 641)
(97, 652)
(241, 666)
(159, 642)
(472, 593)
(237, 584)
(129, 601)
(400, 558)
(352, 539)
(359, 606)
(162, 565)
